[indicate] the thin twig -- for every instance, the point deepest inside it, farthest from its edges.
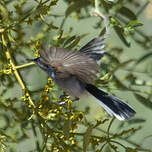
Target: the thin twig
(122, 138)
(25, 65)
(106, 20)
(108, 130)
(142, 8)
(118, 143)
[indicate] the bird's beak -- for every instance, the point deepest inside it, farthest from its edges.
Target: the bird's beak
(32, 60)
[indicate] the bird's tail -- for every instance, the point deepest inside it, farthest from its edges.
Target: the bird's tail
(111, 104)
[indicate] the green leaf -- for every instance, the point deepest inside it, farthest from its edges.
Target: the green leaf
(115, 148)
(111, 57)
(144, 57)
(74, 43)
(129, 149)
(128, 13)
(135, 23)
(53, 26)
(103, 32)
(73, 38)
(143, 101)
(75, 6)
(69, 40)
(123, 64)
(136, 120)
(52, 3)
(119, 84)
(107, 5)
(120, 33)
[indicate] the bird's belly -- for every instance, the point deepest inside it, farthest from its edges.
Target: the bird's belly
(71, 85)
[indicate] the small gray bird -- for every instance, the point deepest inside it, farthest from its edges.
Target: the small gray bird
(75, 71)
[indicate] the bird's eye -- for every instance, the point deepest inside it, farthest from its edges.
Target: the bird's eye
(47, 66)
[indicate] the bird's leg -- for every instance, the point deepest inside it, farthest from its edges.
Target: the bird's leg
(60, 103)
(64, 97)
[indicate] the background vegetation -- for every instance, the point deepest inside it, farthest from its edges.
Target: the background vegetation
(29, 121)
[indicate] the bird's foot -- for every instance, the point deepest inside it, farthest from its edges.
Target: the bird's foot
(65, 99)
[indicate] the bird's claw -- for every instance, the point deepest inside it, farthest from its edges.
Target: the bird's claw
(64, 102)
(60, 103)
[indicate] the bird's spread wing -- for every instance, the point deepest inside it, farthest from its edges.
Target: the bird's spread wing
(94, 48)
(71, 63)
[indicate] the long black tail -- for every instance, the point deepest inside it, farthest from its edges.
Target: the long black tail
(111, 104)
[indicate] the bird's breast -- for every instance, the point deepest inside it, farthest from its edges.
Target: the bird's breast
(71, 85)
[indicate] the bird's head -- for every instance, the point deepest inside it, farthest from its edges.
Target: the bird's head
(44, 66)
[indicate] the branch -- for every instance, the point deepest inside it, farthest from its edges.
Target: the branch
(106, 20)
(18, 77)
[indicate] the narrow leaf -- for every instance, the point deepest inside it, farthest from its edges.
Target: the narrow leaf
(121, 35)
(74, 43)
(144, 57)
(119, 84)
(136, 120)
(75, 6)
(69, 40)
(135, 23)
(127, 12)
(143, 101)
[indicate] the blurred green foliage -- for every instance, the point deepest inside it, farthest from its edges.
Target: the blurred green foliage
(28, 114)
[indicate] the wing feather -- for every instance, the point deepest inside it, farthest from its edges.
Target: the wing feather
(71, 62)
(94, 48)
